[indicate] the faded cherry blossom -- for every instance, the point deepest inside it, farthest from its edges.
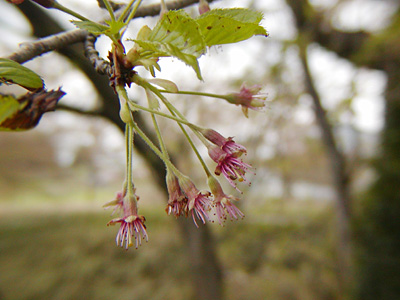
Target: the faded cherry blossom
(229, 165)
(132, 224)
(199, 202)
(248, 97)
(223, 203)
(177, 201)
(228, 145)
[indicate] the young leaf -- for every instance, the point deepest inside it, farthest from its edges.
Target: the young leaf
(177, 28)
(13, 72)
(176, 34)
(115, 27)
(165, 49)
(8, 107)
(225, 26)
(92, 27)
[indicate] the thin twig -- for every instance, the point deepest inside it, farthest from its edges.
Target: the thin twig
(101, 66)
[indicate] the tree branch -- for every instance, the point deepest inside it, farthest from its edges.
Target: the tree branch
(58, 41)
(345, 44)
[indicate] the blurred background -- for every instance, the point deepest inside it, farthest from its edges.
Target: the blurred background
(321, 213)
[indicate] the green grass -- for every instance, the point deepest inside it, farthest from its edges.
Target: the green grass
(74, 256)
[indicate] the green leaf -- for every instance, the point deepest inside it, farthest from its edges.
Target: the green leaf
(177, 28)
(13, 72)
(115, 27)
(225, 26)
(176, 34)
(92, 27)
(8, 107)
(165, 49)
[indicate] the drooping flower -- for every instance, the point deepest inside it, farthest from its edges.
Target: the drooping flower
(177, 201)
(228, 145)
(229, 165)
(248, 97)
(223, 203)
(132, 224)
(199, 202)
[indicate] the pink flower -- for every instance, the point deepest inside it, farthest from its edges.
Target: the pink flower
(230, 165)
(222, 202)
(228, 145)
(225, 207)
(199, 202)
(177, 201)
(248, 98)
(131, 226)
(199, 206)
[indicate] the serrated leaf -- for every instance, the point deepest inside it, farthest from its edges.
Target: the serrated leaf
(92, 27)
(115, 26)
(177, 28)
(13, 72)
(166, 50)
(8, 107)
(225, 26)
(176, 34)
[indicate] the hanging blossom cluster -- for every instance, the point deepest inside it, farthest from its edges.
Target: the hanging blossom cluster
(184, 198)
(186, 38)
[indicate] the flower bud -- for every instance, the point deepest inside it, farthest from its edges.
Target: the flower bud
(203, 6)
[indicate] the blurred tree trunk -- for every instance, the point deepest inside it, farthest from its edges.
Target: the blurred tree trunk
(204, 266)
(307, 22)
(379, 229)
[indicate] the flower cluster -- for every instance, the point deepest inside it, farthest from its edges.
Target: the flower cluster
(185, 199)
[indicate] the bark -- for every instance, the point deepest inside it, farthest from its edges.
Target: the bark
(205, 268)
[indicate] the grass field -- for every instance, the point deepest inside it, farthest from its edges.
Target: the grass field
(275, 253)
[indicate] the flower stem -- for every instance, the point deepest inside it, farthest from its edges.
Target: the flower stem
(109, 8)
(154, 148)
(175, 112)
(176, 119)
(126, 11)
(133, 11)
(193, 93)
(129, 178)
(69, 11)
